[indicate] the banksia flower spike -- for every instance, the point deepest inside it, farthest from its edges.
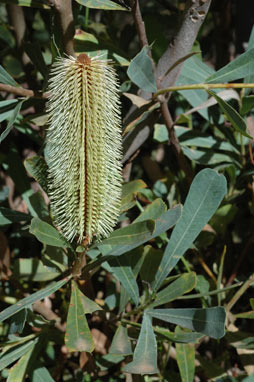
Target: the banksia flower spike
(84, 147)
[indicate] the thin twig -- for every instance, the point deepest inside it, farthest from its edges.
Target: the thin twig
(204, 87)
(140, 25)
(239, 293)
(184, 165)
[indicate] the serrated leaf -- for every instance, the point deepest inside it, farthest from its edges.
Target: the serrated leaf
(12, 118)
(185, 357)
(236, 69)
(145, 354)
(8, 216)
(78, 336)
(121, 344)
(152, 211)
(25, 302)
(5, 78)
(210, 321)
(121, 268)
(162, 224)
(237, 121)
(184, 284)
(102, 4)
(47, 234)
(140, 71)
(206, 193)
(38, 169)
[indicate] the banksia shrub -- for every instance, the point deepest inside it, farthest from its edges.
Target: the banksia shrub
(84, 147)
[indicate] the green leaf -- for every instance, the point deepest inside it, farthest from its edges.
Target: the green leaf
(140, 71)
(33, 269)
(160, 133)
(29, 3)
(8, 216)
(6, 108)
(122, 270)
(78, 336)
(41, 374)
(185, 357)
(129, 191)
(18, 322)
(206, 193)
(210, 321)
(12, 118)
(121, 344)
(5, 78)
(101, 4)
(18, 372)
(249, 78)
(47, 234)
(236, 69)
(180, 336)
(145, 354)
(162, 224)
(14, 353)
(38, 169)
(25, 302)
(34, 52)
(184, 284)
(152, 211)
(247, 104)
(131, 234)
(237, 121)
(151, 263)
(249, 314)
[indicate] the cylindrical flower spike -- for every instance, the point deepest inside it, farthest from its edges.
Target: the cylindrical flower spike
(84, 147)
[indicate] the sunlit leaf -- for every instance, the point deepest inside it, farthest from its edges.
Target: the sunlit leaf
(102, 4)
(47, 234)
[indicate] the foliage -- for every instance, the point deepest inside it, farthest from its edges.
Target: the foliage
(157, 300)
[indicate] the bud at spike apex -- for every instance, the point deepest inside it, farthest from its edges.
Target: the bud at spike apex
(84, 147)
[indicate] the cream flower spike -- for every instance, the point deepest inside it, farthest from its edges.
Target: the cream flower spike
(84, 147)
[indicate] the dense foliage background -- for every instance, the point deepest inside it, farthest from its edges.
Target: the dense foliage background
(179, 147)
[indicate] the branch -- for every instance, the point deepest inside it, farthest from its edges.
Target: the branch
(181, 45)
(65, 17)
(140, 25)
(21, 92)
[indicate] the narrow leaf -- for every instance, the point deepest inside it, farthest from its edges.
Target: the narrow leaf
(145, 354)
(140, 71)
(121, 344)
(162, 224)
(18, 372)
(78, 336)
(210, 321)
(47, 234)
(33, 269)
(121, 269)
(12, 119)
(151, 263)
(185, 357)
(205, 194)
(8, 216)
(101, 4)
(25, 302)
(180, 336)
(5, 78)
(184, 284)
(10, 356)
(237, 121)
(236, 69)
